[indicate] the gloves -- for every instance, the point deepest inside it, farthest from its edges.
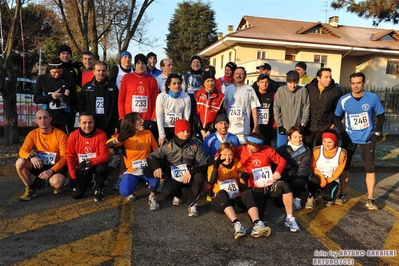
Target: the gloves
(84, 165)
(216, 165)
(282, 131)
(39, 183)
(72, 183)
(123, 135)
(218, 162)
(245, 176)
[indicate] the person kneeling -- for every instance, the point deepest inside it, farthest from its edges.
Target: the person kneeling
(230, 195)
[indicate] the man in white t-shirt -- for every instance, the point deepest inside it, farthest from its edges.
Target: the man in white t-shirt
(240, 103)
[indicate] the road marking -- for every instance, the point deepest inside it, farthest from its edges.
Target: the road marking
(55, 216)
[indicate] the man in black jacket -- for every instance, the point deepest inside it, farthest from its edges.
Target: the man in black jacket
(100, 97)
(323, 97)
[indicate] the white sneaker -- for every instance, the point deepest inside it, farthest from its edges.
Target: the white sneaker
(192, 211)
(154, 206)
(260, 229)
(239, 230)
(131, 197)
(310, 203)
(297, 204)
(176, 201)
(160, 186)
(291, 223)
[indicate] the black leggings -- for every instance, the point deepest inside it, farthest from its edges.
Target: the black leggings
(82, 182)
(297, 185)
(328, 193)
(243, 203)
(274, 191)
(173, 188)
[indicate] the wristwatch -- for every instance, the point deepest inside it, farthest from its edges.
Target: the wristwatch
(377, 134)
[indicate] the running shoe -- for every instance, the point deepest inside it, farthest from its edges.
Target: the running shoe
(131, 197)
(260, 229)
(154, 206)
(291, 223)
(98, 195)
(371, 205)
(57, 191)
(329, 203)
(176, 201)
(239, 230)
(297, 204)
(28, 194)
(310, 203)
(341, 199)
(192, 211)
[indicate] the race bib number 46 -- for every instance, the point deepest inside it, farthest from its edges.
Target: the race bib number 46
(178, 171)
(263, 177)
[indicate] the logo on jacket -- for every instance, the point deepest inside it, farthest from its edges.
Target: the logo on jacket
(140, 89)
(256, 162)
(365, 107)
(110, 89)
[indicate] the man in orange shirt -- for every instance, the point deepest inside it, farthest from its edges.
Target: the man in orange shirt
(48, 161)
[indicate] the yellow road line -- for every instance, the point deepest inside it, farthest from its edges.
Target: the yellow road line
(55, 216)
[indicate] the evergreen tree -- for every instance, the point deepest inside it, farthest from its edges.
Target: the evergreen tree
(191, 29)
(378, 10)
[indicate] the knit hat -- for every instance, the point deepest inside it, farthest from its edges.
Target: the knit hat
(140, 58)
(292, 76)
(231, 65)
(181, 124)
(301, 65)
(195, 57)
(150, 54)
(331, 134)
(125, 53)
(64, 48)
(207, 75)
(221, 118)
(264, 66)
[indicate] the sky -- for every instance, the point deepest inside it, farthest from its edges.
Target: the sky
(230, 12)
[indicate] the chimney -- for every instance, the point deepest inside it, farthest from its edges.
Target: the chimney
(333, 21)
(220, 35)
(230, 29)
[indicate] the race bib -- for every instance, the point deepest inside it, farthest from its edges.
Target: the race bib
(138, 166)
(359, 121)
(236, 118)
(263, 116)
(100, 105)
(171, 118)
(231, 187)
(263, 176)
(54, 106)
(84, 156)
(139, 104)
(178, 171)
(47, 158)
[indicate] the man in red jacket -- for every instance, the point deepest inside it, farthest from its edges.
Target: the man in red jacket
(87, 154)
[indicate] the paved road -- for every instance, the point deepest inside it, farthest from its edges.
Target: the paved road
(58, 230)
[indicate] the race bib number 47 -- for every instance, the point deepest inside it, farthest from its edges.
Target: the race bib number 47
(263, 176)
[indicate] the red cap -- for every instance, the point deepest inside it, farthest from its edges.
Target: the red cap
(181, 124)
(329, 135)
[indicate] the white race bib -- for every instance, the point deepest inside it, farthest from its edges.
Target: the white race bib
(263, 176)
(47, 158)
(230, 186)
(99, 105)
(178, 171)
(171, 118)
(138, 166)
(263, 116)
(236, 118)
(359, 121)
(84, 156)
(139, 104)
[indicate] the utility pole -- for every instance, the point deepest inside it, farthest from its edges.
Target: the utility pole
(23, 45)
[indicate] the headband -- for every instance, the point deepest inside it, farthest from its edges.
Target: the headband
(330, 136)
(54, 66)
(255, 140)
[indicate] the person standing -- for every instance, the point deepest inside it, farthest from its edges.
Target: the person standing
(304, 79)
(167, 69)
(87, 155)
(151, 65)
(265, 111)
(99, 97)
(223, 82)
(358, 108)
(291, 107)
(138, 93)
(323, 97)
(266, 69)
(241, 103)
(124, 67)
(88, 63)
(208, 103)
(42, 154)
(57, 94)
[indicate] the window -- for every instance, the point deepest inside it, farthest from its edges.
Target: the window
(322, 59)
(221, 61)
(261, 55)
(392, 67)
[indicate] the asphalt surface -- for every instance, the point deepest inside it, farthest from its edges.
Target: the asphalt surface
(58, 230)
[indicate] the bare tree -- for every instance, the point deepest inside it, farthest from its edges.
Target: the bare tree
(8, 89)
